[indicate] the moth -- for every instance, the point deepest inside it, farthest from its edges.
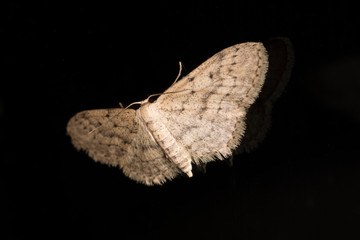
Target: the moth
(198, 119)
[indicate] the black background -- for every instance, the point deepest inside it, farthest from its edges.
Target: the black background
(60, 57)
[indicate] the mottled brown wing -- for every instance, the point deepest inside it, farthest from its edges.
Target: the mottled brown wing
(116, 137)
(258, 118)
(206, 110)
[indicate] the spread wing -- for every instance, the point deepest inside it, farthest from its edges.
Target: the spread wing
(116, 137)
(258, 120)
(205, 111)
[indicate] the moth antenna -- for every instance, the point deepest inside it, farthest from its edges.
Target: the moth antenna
(118, 113)
(146, 100)
(179, 74)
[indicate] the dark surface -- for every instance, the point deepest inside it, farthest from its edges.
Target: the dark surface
(59, 58)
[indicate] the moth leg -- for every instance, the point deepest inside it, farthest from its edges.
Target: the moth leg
(230, 161)
(203, 168)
